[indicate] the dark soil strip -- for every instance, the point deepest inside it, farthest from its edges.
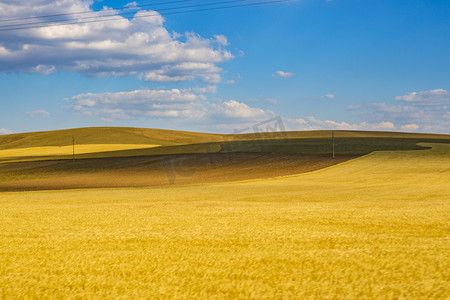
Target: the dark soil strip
(161, 170)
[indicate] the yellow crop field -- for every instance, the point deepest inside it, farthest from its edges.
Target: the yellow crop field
(373, 227)
(40, 153)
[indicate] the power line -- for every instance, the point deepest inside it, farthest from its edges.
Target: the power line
(75, 22)
(94, 11)
(120, 14)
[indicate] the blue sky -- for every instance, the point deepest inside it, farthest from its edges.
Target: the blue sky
(340, 64)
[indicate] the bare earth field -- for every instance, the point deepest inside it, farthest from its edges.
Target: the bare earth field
(157, 170)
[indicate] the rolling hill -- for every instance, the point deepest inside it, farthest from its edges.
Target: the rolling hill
(104, 135)
(375, 227)
(137, 157)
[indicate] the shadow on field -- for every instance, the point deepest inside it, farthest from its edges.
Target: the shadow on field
(160, 170)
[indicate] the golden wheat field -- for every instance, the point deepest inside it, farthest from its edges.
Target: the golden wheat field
(373, 227)
(50, 152)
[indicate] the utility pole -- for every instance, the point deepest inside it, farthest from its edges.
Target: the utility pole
(73, 148)
(332, 138)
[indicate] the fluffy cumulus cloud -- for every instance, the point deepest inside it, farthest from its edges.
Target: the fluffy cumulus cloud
(39, 112)
(233, 109)
(176, 105)
(222, 40)
(312, 123)
(140, 45)
(5, 131)
(410, 117)
(426, 111)
(431, 97)
(282, 74)
(185, 103)
(409, 127)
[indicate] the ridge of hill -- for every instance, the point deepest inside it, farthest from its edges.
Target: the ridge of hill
(163, 137)
(105, 135)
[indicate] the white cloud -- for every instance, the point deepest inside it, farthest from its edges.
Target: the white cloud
(282, 74)
(237, 110)
(427, 111)
(141, 103)
(231, 81)
(44, 70)
(271, 101)
(329, 96)
(353, 107)
(312, 123)
(409, 127)
(222, 40)
(141, 45)
(176, 105)
(5, 131)
(184, 72)
(428, 118)
(431, 97)
(387, 108)
(300, 121)
(131, 4)
(39, 112)
(210, 89)
(114, 114)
